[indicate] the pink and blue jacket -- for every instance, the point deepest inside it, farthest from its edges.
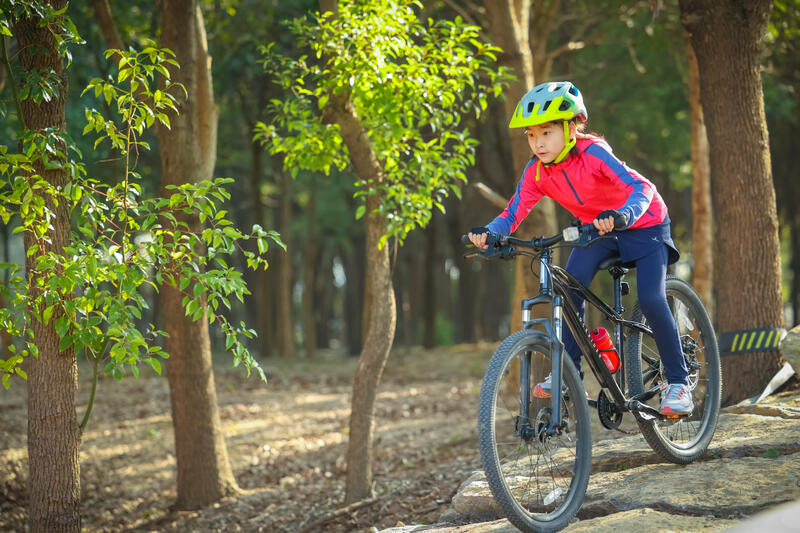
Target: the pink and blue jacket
(590, 180)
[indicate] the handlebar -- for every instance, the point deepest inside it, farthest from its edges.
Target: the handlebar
(577, 235)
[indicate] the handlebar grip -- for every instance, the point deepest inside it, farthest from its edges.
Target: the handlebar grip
(492, 239)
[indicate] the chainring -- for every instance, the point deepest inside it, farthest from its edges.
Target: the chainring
(607, 410)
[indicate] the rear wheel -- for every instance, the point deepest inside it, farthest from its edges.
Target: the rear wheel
(684, 439)
(538, 480)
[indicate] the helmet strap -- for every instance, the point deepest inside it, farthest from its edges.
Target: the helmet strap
(568, 144)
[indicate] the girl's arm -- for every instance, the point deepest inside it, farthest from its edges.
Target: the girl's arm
(642, 194)
(526, 196)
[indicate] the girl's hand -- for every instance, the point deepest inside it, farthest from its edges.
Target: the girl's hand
(478, 239)
(604, 225)
(609, 220)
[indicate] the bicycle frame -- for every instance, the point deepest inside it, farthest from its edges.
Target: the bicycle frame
(555, 284)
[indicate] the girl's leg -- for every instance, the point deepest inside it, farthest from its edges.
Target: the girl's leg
(582, 264)
(651, 273)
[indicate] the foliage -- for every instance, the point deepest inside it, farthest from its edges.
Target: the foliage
(122, 244)
(411, 84)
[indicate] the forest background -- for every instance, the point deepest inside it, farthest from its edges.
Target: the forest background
(631, 62)
(630, 59)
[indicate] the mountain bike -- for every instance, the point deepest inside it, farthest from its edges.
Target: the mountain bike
(537, 452)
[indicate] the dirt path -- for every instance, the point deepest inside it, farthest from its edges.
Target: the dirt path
(286, 440)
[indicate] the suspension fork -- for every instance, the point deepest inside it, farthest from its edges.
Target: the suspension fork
(556, 345)
(557, 366)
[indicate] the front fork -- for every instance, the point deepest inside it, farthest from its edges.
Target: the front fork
(555, 425)
(557, 366)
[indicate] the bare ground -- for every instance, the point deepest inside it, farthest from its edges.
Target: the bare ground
(286, 440)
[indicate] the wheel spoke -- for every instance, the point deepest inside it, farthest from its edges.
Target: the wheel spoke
(683, 439)
(545, 475)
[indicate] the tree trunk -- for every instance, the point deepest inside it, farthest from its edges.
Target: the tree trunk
(188, 153)
(702, 222)
(102, 13)
(325, 292)
(509, 25)
(309, 262)
(354, 261)
(53, 433)
(429, 296)
(372, 360)
(286, 345)
(465, 299)
(379, 292)
(262, 301)
(727, 36)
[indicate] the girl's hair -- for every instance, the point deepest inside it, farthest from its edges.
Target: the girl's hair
(580, 126)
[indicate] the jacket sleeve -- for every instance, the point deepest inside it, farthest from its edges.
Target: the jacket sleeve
(526, 196)
(642, 194)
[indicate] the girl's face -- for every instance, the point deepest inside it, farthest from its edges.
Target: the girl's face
(546, 140)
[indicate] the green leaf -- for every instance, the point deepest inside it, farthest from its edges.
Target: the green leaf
(62, 325)
(48, 312)
(64, 343)
(155, 364)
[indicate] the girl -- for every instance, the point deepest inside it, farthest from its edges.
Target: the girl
(580, 172)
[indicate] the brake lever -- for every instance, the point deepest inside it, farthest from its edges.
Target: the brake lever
(586, 240)
(501, 252)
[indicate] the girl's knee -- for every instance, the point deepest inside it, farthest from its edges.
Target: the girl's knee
(653, 303)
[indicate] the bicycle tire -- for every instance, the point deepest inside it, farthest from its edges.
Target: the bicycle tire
(523, 495)
(686, 439)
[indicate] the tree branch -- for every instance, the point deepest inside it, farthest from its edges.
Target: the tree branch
(490, 194)
(102, 12)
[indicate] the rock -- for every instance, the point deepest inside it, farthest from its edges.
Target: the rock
(763, 409)
(635, 521)
(450, 515)
(752, 465)
(630, 462)
(790, 348)
(474, 500)
(782, 519)
(497, 526)
(724, 487)
(640, 520)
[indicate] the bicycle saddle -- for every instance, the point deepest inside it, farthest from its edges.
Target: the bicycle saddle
(612, 262)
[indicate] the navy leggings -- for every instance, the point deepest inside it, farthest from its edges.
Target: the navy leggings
(651, 272)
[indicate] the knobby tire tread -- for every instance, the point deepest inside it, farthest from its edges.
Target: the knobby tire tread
(508, 349)
(634, 375)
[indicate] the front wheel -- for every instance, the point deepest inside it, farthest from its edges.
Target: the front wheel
(538, 480)
(682, 440)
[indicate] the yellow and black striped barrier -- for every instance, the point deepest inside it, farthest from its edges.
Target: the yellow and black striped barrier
(750, 340)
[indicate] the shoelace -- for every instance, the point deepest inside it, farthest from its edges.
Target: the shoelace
(674, 392)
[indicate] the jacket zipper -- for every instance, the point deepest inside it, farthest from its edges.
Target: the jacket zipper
(573, 188)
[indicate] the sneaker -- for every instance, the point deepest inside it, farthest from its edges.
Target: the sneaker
(676, 399)
(543, 388)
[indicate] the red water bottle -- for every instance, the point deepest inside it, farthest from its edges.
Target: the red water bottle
(609, 354)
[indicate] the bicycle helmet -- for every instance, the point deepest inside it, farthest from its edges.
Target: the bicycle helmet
(559, 100)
